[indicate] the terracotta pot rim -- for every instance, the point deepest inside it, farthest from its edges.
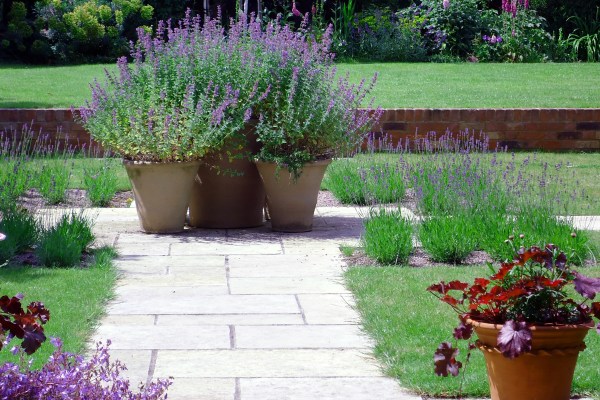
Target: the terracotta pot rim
(316, 162)
(533, 327)
(138, 162)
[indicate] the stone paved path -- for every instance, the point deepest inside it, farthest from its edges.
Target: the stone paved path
(241, 314)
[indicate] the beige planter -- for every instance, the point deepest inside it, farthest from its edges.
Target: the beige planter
(292, 202)
(228, 192)
(544, 373)
(162, 193)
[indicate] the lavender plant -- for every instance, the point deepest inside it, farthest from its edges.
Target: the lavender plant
(100, 182)
(62, 244)
(21, 229)
(364, 180)
(189, 89)
(53, 179)
(70, 376)
(388, 236)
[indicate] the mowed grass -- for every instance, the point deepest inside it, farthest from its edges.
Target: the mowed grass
(410, 85)
(76, 298)
(29, 86)
(409, 323)
(472, 85)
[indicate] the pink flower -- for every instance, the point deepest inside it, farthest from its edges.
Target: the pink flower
(446, 4)
(295, 10)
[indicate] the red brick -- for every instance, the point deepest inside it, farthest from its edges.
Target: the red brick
(419, 114)
(549, 115)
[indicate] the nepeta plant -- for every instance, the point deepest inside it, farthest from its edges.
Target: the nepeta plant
(190, 88)
(70, 376)
(309, 113)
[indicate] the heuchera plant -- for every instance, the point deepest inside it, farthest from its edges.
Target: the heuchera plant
(20, 323)
(530, 290)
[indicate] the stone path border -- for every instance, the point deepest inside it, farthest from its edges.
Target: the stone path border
(244, 314)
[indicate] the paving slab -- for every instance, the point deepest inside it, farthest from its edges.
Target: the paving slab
(287, 285)
(328, 309)
(162, 337)
(124, 320)
(166, 303)
(379, 388)
(203, 389)
(301, 337)
(179, 277)
(137, 293)
(243, 363)
(230, 319)
(137, 362)
(212, 248)
(143, 249)
(172, 261)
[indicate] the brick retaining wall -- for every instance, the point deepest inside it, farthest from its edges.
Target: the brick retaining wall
(540, 129)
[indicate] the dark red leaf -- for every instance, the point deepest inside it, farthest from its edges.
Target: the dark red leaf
(33, 338)
(561, 261)
(505, 268)
(514, 339)
(511, 293)
(445, 360)
(39, 311)
(481, 282)
(463, 331)
(450, 300)
(444, 287)
(11, 305)
(596, 309)
(586, 286)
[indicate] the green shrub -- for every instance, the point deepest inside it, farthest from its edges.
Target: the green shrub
(21, 229)
(450, 239)
(388, 236)
(518, 38)
(72, 31)
(63, 244)
(378, 35)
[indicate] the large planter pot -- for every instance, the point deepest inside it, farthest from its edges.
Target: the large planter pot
(228, 192)
(162, 193)
(544, 373)
(292, 202)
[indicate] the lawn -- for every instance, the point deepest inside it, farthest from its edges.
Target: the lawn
(408, 324)
(75, 297)
(400, 85)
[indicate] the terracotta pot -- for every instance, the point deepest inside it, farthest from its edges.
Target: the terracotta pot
(162, 193)
(292, 202)
(544, 373)
(228, 193)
